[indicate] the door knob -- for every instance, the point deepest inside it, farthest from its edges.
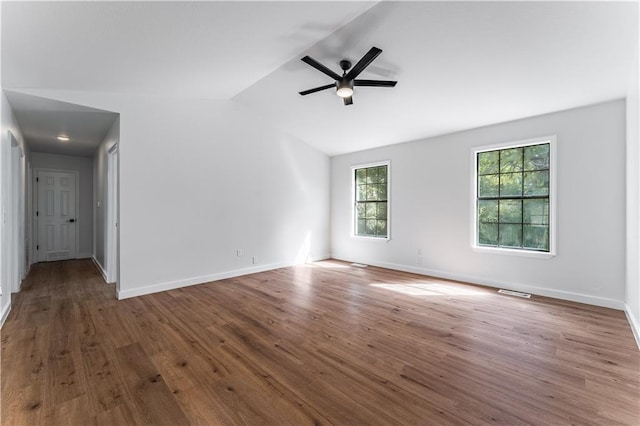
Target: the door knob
(71, 220)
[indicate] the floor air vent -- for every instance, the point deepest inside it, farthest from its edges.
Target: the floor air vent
(359, 265)
(514, 293)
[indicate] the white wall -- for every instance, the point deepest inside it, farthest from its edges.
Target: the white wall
(13, 229)
(431, 208)
(100, 192)
(632, 297)
(84, 166)
(202, 178)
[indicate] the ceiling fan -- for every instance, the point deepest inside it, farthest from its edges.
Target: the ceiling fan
(344, 84)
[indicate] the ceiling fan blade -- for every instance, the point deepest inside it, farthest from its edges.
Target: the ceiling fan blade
(348, 101)
(317, 65)
(317, 89)
(363, 63)
(375, 83)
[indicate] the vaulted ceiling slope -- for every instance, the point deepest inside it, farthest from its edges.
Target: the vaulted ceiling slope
(459, 65)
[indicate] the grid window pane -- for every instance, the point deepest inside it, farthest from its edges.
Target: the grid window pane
(372, 192)
(370, 211)
(372, 175)
(489, 186)
(488, 162)
(488, 211)
(510, 211)
(513, 197)
(536, 212)
(536, 183)
(371, 201)
(510, 235)
(536, 237)
(488, 234)
(382, 211)
(536, 157)
(382, 191)
(511, 160)
(382, 174)
(510, 184)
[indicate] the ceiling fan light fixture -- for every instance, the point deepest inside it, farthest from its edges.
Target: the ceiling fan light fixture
(345, 89)
(344, 84)
(345, 92)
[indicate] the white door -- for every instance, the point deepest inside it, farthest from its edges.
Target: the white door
(56, 215)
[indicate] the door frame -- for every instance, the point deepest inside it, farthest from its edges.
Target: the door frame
(113, 215)
(16, 262)
(36, 230)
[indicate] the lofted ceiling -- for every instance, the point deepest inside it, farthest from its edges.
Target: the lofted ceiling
(459, 65)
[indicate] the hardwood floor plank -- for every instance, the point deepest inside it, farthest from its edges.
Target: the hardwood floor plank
(24, 357)
(119, 415)
(325, 343)
(203, 407)
(153, 401)
(66, 378)
(105, 387)
(77, 409)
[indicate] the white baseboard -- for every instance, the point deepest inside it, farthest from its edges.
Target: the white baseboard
(100, 268)
(319, 258)
(634, 323)
(171, 285)
(5, 314)
(84, 256)
(540, 291)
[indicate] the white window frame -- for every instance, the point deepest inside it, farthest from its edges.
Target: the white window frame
(551, 140)
(353, 200)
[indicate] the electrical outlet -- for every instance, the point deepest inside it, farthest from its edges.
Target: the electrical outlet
(254, 260)
(239, 252)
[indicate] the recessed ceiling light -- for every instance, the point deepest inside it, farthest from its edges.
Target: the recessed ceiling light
(63, 138)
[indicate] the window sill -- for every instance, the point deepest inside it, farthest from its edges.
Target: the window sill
(362, 237)
(513, 252)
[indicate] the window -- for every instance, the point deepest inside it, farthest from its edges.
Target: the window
(513, 186)
(371, 200)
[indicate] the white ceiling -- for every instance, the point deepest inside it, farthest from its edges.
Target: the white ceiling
(459, 65)
(43, 120)
(194, 49)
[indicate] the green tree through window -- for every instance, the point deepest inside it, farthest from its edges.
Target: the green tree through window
(371, 190)
(513, 197)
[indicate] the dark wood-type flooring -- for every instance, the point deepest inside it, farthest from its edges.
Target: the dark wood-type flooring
(326, 343)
